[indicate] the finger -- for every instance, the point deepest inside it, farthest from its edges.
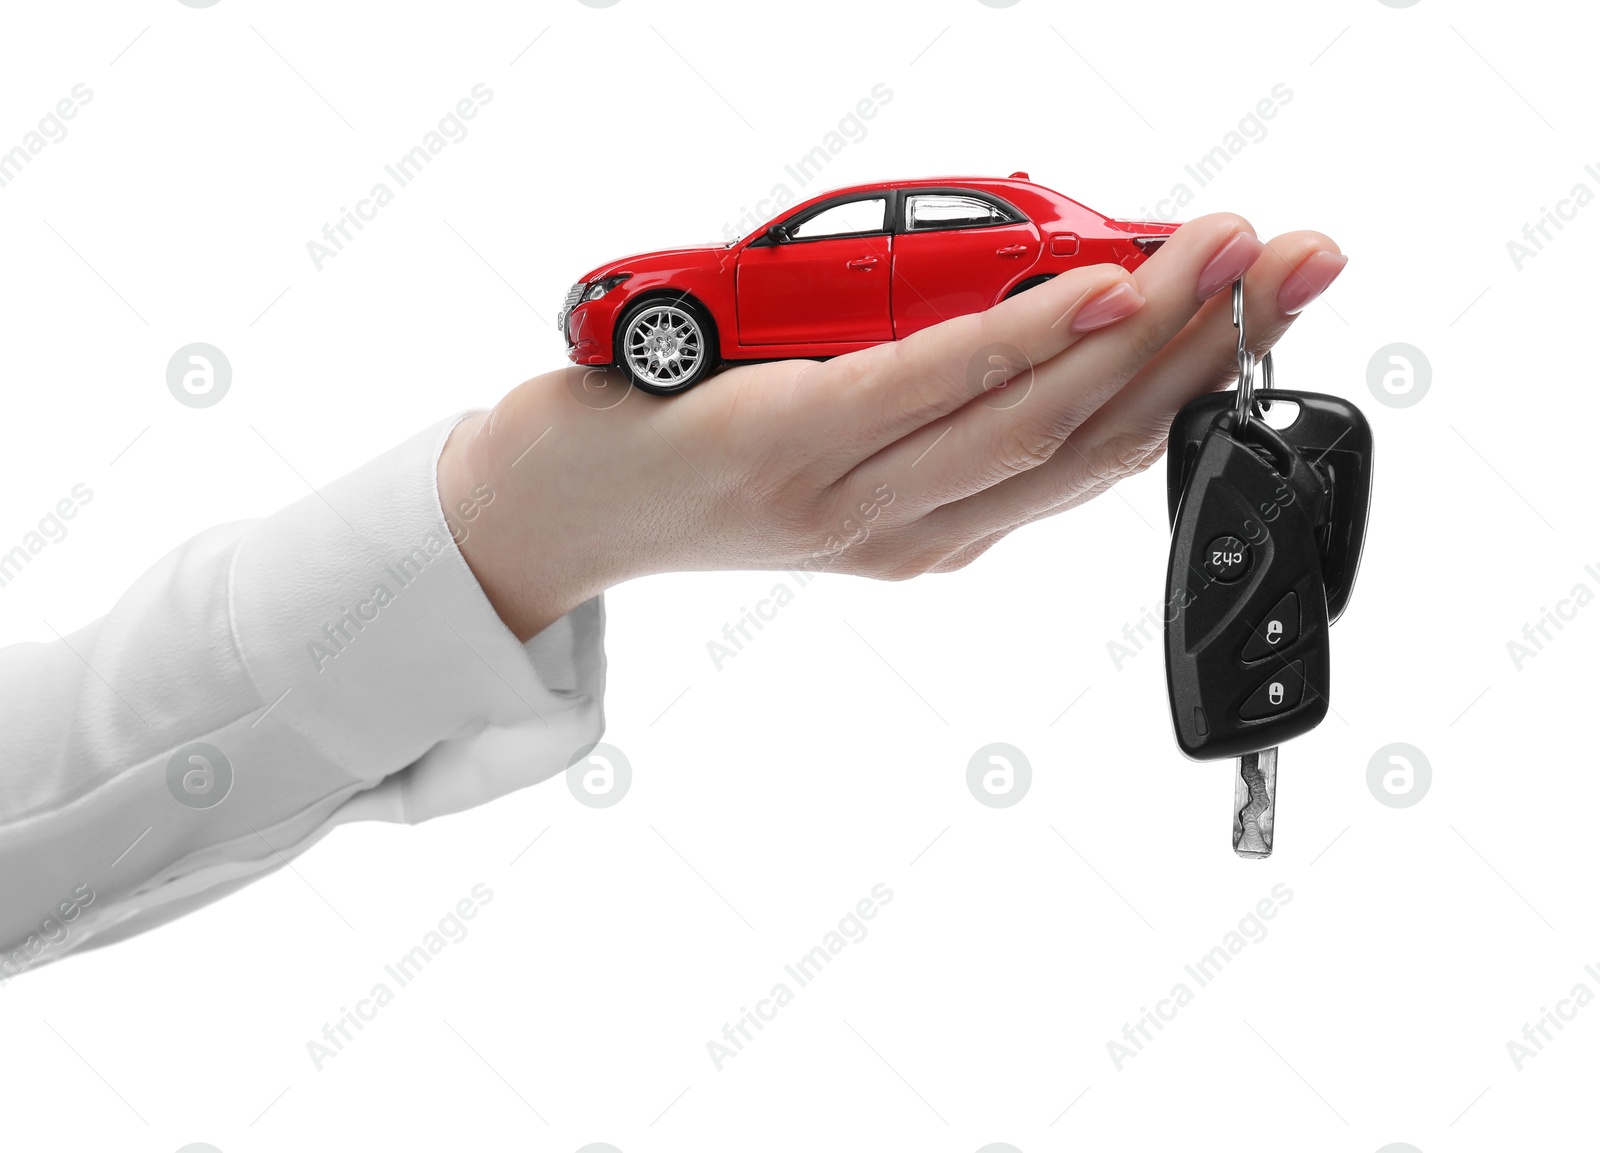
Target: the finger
(1203, 357)
(863, 401)
(967, 553)
(1005, 434)
(1129, 432)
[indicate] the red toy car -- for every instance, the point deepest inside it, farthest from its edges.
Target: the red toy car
(842, 271)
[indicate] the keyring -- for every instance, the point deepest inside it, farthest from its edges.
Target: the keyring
(1247, 361)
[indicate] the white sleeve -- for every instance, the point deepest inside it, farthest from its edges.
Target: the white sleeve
(262, 683)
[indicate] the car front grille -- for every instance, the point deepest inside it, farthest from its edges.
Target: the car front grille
(568, 303)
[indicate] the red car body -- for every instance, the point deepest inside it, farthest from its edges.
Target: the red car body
(943, 247)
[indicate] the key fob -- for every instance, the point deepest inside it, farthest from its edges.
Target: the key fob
(1247, 615)
(1330, 433)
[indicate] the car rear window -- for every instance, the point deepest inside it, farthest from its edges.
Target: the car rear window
(933, 210)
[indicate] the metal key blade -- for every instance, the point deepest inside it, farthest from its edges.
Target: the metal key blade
(1255, 790)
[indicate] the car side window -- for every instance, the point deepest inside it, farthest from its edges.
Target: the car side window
(851, 218)
(931, 211)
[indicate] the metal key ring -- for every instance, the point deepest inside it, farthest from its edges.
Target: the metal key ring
(1247, 361)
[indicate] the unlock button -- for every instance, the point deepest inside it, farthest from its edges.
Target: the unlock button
(1278, 695)
(1277, 632)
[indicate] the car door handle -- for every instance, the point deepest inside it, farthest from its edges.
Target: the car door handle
(1011, 250)
(863, 264)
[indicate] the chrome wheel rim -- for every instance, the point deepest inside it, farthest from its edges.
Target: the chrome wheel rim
(664, 345)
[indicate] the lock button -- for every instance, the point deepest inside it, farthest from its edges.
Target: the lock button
(1277, 632)
(1277, 695)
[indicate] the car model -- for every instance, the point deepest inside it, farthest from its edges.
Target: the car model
(839, 272)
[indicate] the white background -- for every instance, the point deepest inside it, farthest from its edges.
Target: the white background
(831, 755)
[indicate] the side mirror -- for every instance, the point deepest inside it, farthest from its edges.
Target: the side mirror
(776, 234)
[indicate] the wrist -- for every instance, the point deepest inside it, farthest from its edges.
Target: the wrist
(469, 488)
(517, 488)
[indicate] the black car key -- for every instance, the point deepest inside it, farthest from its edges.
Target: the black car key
(1268, 525)
(1247, 652)
(1331, 433)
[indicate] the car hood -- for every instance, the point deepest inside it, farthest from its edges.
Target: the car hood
(693, 256)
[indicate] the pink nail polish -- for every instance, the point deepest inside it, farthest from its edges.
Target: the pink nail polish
(1110, 306)
(1308, 282)
(1231, 262)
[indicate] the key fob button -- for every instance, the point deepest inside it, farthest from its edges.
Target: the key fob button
(1277, 632)
(1278, 694)
(1227, 559)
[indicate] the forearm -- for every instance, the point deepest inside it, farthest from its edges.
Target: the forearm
(261, 683)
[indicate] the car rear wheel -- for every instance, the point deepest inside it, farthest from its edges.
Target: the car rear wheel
(665, 345)
(1031, 282)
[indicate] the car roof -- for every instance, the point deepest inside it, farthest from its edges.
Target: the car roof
(943, 181)
(997, 184)
(1017, 187)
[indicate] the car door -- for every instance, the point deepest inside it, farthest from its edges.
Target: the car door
(954, 252)
(825, 282)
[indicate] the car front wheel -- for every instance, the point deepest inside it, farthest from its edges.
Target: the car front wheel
(665, 346)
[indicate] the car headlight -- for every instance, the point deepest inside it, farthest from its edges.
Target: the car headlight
(599, 288)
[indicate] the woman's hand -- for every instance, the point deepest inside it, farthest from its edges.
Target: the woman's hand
(909, 457)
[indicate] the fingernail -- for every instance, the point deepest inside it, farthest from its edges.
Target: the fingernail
(1231, 262)
(1310, 280)
(1110, 306)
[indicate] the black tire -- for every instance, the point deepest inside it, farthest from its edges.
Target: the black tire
(665, 344)
(1031, 282)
